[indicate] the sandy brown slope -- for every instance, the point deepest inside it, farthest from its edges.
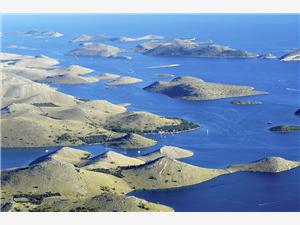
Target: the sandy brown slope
(16, 89)
(167, 151)
(168, 173)
(66, 154)
(269, 164)
(111, 160)
(106, 202)
(57, 176)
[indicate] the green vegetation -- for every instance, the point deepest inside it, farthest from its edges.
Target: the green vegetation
(117, 172)
(64, 137)
(183, 126)
(92, 139)
(86, 156)
(142, 205)
(36, 199)
(45, 104)
(82, 209)
(83, 99)
(105, 188)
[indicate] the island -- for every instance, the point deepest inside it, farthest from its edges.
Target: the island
(291, 56)
(72, 180)
(88, 38)
(246, 102)
(124, 80)
(31, 108)
(193, 88)
(186, 47)
(267, 56)
(19, 47)
(90, 49)
(285, 128)
(43, 34)
(132, 39)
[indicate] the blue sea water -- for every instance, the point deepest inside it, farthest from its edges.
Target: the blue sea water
(236, 134)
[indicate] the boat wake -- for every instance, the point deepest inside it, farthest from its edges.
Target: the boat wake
(292, 89)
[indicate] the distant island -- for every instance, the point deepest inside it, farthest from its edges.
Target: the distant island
(292, 56)
(187, 47)
(285, 128)
(90, 49)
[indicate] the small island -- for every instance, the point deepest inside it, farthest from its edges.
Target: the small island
(246, 102)
(192, 88)
(285, 128)
(102, 50)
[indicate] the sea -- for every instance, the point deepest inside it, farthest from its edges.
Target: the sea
(229, 134)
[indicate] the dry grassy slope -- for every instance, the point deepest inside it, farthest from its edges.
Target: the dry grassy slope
(36, 130)
(103, 203)
(111, 160)
(131, 141)
(168, 173)
(41, 69)
(35, 115)
(106, 202)
(16, 89)
(192, 88)
(125, 80)
(66, 154)
(168, 151)
(42, 125)
(269, 164)
(54, 175)
(96, 50)
(140, 121)
(95, 111)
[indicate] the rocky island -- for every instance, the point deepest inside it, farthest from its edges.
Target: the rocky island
(143, 38)
(124, 80)
(43, 34)
(186, 47)
(102, 50)
(292, 56)
(192, 88)
(89, 38)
